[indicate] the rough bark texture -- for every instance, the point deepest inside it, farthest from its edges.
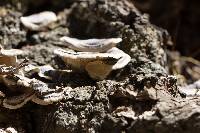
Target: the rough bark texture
(142, 97)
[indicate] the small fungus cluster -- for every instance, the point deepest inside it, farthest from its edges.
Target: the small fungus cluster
(97, 57)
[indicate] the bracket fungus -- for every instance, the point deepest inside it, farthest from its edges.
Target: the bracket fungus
(8, 61)
(9, 66)
(9, 57)
(99, 58)
(40, 21)
(8, 130)
(98, 65)
(20, 91)
(42, 71)
(47, 93)
(31, 89)
(90, 45)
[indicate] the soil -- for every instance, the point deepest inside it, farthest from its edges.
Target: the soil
(142, 97)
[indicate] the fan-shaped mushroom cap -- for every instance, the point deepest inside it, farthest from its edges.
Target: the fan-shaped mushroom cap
(90, 45)
(9, 57)
(38, 21)
(98, 65)
(31, 89)
(15, 102)
(8, 61)
(47, 93)
(23, 93)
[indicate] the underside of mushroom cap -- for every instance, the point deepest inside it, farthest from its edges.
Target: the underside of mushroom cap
(79, 60)
(98, 65)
